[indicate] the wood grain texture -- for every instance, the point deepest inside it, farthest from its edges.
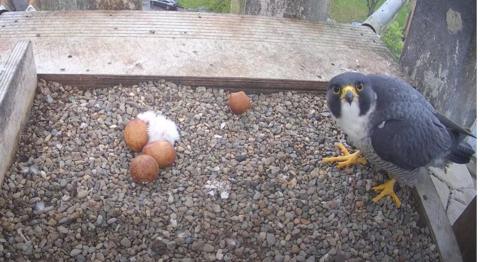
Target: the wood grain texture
(194, 45)
(445, 73)
(89, 4)
(7, 5)
(312, 10)
(436, 217)
(233, 83)
(18, 81)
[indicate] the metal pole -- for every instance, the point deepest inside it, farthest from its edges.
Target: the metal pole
(380, 18)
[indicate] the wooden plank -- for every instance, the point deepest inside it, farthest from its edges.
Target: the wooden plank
(446, 74)
(198, 45)
(436, 217)
(89, 4)
(252, 85)
(312, 10)
(465, 229)
(19, 5)
(18, 81)
(6, 5)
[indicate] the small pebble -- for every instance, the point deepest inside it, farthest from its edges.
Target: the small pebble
(208, 248)
(271, 239)
(49, 99)
(99, 220)
(75, 252)
(82, 194)
(125, 242)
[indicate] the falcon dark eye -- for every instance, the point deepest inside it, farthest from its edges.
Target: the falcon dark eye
(359, 86)
(336, 89)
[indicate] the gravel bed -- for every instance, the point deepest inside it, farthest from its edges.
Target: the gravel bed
(244, 188)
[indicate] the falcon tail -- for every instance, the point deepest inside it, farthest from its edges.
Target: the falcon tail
(461, 153)
(458, 131)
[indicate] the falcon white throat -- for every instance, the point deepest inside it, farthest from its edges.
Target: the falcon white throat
(351, 122)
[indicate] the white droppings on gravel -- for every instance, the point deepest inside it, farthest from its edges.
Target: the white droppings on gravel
(224, 194)
(283, 203)
(220, 187)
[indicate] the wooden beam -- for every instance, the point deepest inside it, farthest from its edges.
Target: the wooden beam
(86, 4)
(446, 74)
(236, 83)
(436, 217)
(185, 45)
(312, 10)
(18, 81)
(465, 229)
(6, 5)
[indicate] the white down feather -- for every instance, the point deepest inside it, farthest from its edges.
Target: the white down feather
(159, 127)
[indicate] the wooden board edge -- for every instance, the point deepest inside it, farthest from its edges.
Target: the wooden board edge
(465, 228)
(432, 210)
(18, 83)
(253, 85)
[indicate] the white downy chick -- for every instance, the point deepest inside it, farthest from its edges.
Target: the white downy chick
(159, 127)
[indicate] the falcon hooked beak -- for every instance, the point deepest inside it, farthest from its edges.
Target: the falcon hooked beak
(348, 93)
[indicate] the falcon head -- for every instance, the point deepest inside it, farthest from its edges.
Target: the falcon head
(350, 92)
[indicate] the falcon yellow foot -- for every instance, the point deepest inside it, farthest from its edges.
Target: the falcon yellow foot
(347, 159)
(386, 189)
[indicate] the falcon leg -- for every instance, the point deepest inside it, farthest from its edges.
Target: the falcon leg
(347, 159)
(386, 189)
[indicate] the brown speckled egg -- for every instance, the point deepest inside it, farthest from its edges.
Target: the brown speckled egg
(144, 169)
(136, 134)
(162, 151)
(239, 102)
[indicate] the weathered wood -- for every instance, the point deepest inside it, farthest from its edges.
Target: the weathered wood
(18, 81)
(440, 56)
(195, 45)
(21, 5)
(312, 10)
(33, 5)
(465, 229)
(87, 4)
(432, 209)
(6, 5)
(234, 83)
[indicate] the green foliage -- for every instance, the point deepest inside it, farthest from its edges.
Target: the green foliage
(218, 6)
(402, 15)
(392, 37)
(371, 5)
(347, 11)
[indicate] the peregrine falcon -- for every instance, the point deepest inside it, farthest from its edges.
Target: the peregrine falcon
(394, 127)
